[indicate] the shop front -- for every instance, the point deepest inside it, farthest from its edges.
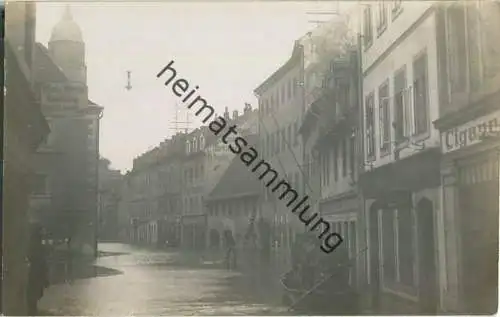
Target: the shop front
(470, 172)
(341, 212)
(402, 201)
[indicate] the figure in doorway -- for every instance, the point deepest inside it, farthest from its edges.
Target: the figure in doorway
(231, 249)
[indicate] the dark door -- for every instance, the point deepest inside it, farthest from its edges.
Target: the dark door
(374, 256)
(428, 292)
(479, 228)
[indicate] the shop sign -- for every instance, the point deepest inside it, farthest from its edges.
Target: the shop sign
(473, 132)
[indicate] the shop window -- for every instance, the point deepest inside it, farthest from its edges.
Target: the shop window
(401, 104)
(384, 118)
(420, 94)
(388, 246)
(406, 246)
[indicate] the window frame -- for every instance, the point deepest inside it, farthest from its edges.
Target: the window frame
(405, 107)
(367, 26)
(425, 75)
(381, 17)
(370, 134)
(384, 110)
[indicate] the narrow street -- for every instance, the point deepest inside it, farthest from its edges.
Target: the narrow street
(135, 281)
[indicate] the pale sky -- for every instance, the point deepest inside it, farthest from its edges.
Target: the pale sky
(227, 49)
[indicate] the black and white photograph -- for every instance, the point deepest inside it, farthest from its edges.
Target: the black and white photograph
(250, 157)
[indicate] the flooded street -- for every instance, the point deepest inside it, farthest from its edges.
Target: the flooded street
(147, 282)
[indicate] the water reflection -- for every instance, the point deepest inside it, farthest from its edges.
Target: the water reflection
(157, 283)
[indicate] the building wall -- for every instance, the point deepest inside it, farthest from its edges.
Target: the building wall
(283, 152)
(421, 39)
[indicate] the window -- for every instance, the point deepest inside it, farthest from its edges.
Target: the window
(370, 127)
(384, 118)
(474, 47)
(352, 154)
(382, 17)
(327, 163)
(295, 86)
(290, 89)
(283, 87)
(401, 105)
(277, 140)
(420, 94)
(39, 186)
(289, 135)
(457, 47)
(388, 246)
(396, 6)
(344, 157)
(405, 246)
(296, 133)
(335, 161)
(283, 139)
(367, 26)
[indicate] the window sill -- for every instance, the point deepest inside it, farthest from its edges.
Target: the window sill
(421, 136)
(402, 144)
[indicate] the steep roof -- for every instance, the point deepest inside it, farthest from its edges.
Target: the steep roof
(237, 181)
(46, 69)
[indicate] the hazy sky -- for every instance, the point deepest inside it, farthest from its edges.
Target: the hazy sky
(227, 49)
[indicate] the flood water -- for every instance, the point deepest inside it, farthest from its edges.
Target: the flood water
(137, 281)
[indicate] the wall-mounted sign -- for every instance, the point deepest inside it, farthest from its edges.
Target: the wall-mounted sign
(63, 96)
(473, 132)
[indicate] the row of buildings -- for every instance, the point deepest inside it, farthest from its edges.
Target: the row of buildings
(50, 143)
(387, 118)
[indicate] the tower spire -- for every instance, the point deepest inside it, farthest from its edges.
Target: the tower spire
(67, 13)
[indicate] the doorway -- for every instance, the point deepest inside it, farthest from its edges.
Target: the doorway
(374, 268)
(428, 288)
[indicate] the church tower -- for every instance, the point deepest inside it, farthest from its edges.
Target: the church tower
(67, 48)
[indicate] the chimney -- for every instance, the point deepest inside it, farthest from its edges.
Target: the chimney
(226, 114)
(235, 114)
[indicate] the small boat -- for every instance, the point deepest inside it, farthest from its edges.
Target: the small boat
(328, 291)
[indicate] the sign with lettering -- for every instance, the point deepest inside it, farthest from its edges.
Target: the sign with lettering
(473, 132)
(63, 96)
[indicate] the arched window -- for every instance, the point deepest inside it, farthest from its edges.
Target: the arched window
(188, 147)
(202, 142)
(195, 148)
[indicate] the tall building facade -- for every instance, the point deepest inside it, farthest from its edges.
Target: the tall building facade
(24, 130)
(400, 181)
(65, 199)
(469, 122)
